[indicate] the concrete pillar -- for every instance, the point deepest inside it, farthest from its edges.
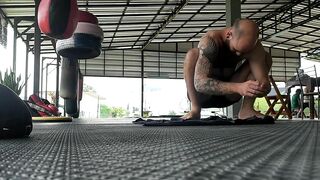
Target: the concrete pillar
(14, 54)
(233, 12)
(26, 68)
(57, 80)
(37, 49)
(142, 82)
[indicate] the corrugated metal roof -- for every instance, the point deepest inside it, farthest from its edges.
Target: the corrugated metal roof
(127, 24)
(166, 29)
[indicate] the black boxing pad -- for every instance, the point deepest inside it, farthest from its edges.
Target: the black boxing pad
(15, 117)
(79, 46)
(86, 40)
(58, 18)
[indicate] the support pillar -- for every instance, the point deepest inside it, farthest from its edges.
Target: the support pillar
(27, 68)
(57, 80)
(41, 75)
(14, 55)
(37, 51)
(233, 12)
(142, 81)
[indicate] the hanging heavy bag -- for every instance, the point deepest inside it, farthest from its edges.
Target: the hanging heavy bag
(69, 78)
(15, 117)
(58, 18)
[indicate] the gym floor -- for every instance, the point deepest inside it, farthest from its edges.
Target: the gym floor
(87, 149)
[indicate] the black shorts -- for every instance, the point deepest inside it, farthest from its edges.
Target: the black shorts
(217, 102)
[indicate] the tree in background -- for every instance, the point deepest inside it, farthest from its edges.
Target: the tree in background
(105, 111)
(115, 112)
(118, 112)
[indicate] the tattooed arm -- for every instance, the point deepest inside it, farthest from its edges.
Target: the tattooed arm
(208, 54)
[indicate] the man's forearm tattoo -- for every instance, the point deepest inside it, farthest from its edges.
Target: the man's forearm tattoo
(209, 86)
(208, 54)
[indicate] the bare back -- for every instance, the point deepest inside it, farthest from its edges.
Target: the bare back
(220, 62)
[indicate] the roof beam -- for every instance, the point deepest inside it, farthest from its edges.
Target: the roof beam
(292, 26)
(149, 14)
(284, 19)
(123, 13)
(289, 39)
(25, 31)
(189, 19)
(6, 17)
(101, 5)
(210, 25)
(279, 11)
(166, 22)
(154, 17)
(112, 4)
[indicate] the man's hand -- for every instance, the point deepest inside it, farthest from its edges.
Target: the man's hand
(266, 87)
(251, 88)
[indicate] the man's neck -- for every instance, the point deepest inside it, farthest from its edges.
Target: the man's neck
(225, 35)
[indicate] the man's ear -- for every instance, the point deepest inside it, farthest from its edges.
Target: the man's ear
(229, 34)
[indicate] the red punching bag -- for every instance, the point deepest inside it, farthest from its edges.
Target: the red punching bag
(58, 18)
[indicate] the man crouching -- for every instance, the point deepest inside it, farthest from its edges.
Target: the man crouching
(228, 64)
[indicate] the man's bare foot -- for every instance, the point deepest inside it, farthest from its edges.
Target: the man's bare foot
(191, 115)
(244, 114)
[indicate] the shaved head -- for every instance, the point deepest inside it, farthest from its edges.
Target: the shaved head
(246, 26)
(246, 33)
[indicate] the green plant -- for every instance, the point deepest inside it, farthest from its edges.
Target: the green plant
(12, 81)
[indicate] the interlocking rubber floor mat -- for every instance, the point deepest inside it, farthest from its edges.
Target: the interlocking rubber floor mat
(285, 150)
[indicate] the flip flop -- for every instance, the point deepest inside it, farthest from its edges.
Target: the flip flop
(138, 121)
(255, 120)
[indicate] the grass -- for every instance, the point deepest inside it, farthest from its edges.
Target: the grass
(261, 105)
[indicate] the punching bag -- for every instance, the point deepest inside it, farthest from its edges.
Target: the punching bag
(15, 117)
(69, 80)
(58, 18)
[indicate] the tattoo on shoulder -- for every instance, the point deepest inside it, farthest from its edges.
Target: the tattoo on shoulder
(209, 50)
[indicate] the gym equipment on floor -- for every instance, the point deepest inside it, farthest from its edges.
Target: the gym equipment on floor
(15, 118)
(52, 119)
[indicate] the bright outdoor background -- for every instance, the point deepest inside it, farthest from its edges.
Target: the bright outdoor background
(115, 97)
